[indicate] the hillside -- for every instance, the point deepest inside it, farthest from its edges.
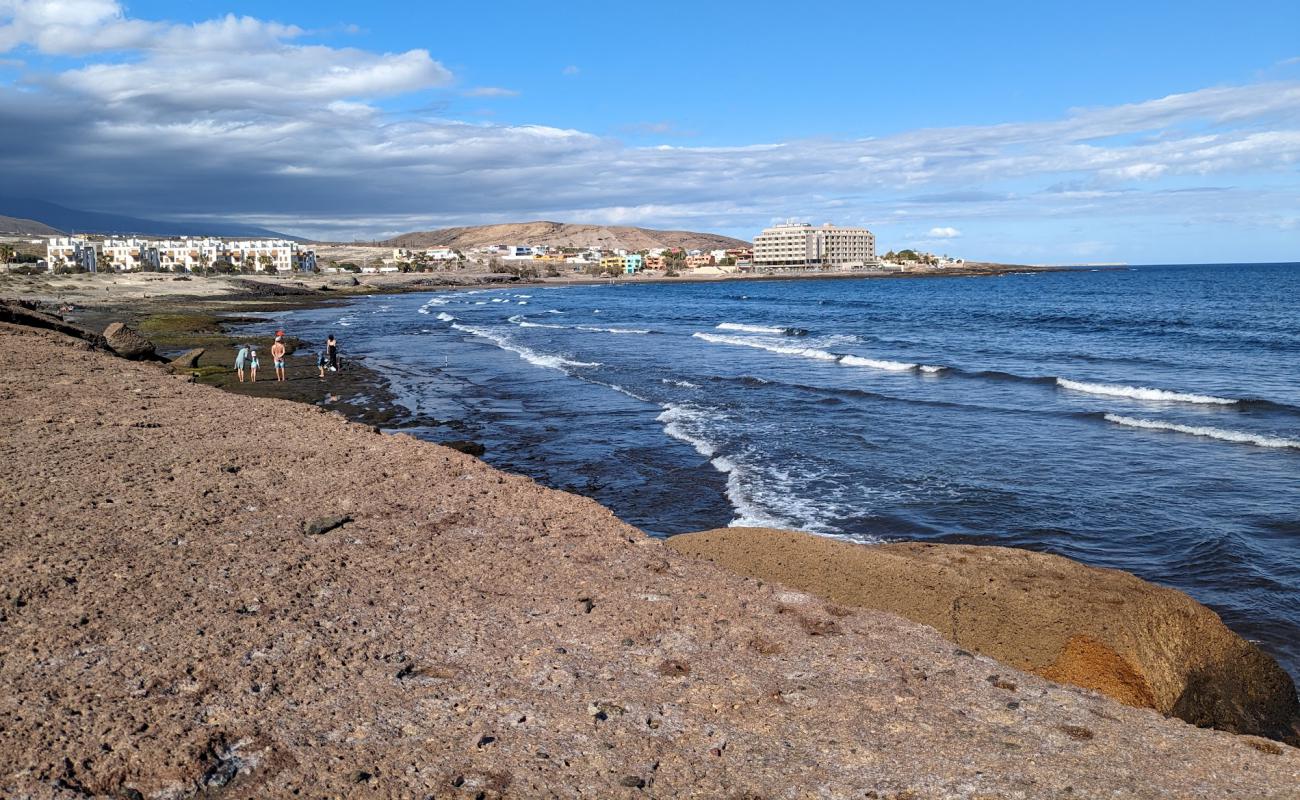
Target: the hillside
(80, 221)
(26, 227)
(563, 234)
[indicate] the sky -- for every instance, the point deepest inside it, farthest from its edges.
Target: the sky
(1140, 132)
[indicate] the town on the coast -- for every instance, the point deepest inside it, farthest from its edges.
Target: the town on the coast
(788, 247)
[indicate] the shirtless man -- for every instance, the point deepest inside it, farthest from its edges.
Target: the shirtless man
(277, 356)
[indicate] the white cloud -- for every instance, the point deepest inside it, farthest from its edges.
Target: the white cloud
(570, 70)
(944, 233)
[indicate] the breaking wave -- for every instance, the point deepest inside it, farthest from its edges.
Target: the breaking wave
(445, 317)
(772, 329)
(1142, 393)
(531, 356)
(892, 366)
(818, 354)
(1221, 434)
(683, 423)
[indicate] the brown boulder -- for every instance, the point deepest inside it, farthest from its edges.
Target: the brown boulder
(127, 342)
(1102, 629)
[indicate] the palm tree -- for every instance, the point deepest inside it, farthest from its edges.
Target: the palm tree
(6, 253)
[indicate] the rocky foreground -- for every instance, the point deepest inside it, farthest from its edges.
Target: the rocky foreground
(211, 595)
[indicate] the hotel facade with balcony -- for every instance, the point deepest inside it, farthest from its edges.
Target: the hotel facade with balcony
(799, 245)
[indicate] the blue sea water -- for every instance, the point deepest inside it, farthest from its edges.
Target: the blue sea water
(1146, 419)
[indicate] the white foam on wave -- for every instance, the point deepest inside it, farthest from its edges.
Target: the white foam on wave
(1142, 393)
(609, 330)
(817, 354)
(748, 513)
(445, 317)
(873, 363)
(679, 384)
(527, 354)
(1221, 434)
(745, 328)
(759, 344)
(521, 321)
(683, 424)
(931, 369)
(554, 311)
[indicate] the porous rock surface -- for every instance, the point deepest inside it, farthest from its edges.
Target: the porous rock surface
(1102, 629)
(168, 630)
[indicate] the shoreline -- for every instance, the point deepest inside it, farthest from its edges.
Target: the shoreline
(429, 624)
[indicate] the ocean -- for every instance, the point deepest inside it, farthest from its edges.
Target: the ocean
(1146, 419)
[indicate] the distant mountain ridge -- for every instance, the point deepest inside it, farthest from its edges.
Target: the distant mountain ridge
(564, 234)
(60, 218)
(26, 227)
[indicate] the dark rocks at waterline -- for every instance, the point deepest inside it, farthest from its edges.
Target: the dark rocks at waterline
(469, 448)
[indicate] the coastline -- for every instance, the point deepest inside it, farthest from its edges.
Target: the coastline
(204, 312)
(431, 624)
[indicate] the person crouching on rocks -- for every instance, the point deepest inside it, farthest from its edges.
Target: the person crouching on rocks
(252, 365)
(240, 357)
(320, 364)
(277, 358)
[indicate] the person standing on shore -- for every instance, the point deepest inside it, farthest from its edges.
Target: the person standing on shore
(252, 365)
(240, 357)
(332, 353)
(277, 358)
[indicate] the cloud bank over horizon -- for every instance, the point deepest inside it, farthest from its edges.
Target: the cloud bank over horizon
(256, 121)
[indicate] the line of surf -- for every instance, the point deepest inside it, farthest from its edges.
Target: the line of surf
(819, 354)
(744, 327)
(1143, 393)
(1240, 437)
(527, 354)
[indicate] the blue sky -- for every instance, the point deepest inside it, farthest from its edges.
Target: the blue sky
(1139, 132)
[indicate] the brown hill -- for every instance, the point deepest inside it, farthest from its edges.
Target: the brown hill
(26, 227)
(564, 234)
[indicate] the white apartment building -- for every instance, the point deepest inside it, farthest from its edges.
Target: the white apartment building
(799, 244)
(262, 255)
(62, 252)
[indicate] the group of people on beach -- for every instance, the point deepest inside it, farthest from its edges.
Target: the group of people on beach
(246, 356)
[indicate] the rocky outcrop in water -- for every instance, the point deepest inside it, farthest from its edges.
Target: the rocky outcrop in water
(1102, 629)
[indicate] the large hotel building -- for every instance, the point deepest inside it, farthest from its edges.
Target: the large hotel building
(799, 244)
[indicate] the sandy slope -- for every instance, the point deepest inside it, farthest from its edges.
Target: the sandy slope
(168, 627)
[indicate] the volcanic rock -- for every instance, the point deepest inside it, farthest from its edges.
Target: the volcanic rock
(127, 342)
(1144, 645)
